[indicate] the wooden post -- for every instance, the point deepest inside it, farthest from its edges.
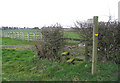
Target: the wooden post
(28, 36)
(41, 35)
(95, 43)
(7, 34)
(12, 34)
(23, 36)
(34, 36)
(3, 34)
(16, 35)
(86, 51)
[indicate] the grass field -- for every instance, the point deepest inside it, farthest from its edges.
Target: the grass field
(23, 66)
(9, 41)
(19, 66)
(66, 34)
(25, 42)
(72, 35)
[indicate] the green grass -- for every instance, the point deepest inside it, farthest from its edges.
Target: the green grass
(11, 41)
(72, 35)
(71, 42)
(19, 66)
(66, 35)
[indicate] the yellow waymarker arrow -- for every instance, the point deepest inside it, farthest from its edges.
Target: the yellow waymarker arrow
(96, 34)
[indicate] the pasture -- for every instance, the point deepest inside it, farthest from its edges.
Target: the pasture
(32, 35)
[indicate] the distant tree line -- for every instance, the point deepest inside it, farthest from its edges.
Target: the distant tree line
(12, 28)
(6, 28)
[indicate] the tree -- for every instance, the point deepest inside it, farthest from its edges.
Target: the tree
(36, 28)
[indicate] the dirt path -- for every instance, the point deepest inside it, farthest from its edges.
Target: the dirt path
(17, 47)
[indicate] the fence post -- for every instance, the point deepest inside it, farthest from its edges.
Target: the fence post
(23, 36)
(28, 36)
(41, 35)
(15, 35)
(12, 34)
(9, 35)
(95, 43)
(3, 34)
(18, 35)
(6, 34)
(34, 36)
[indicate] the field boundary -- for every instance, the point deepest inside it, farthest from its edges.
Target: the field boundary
(22, 35)
(30, 36)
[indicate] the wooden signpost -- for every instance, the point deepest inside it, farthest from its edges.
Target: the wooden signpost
(95, 43)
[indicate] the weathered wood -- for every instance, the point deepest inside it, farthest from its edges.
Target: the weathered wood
(23, 36)
(95, 43)
(86, 51)
(28, 36)
(41, 35)
(34, 36)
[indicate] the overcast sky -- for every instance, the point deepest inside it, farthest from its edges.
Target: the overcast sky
(38, 13)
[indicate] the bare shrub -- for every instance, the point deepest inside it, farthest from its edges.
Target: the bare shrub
(109, 42)
(85, 32)
(51, 43)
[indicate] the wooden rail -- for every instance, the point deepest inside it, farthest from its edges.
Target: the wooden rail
(32, 36)
(22, 35)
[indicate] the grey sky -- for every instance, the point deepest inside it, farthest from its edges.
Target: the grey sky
(31, 13)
